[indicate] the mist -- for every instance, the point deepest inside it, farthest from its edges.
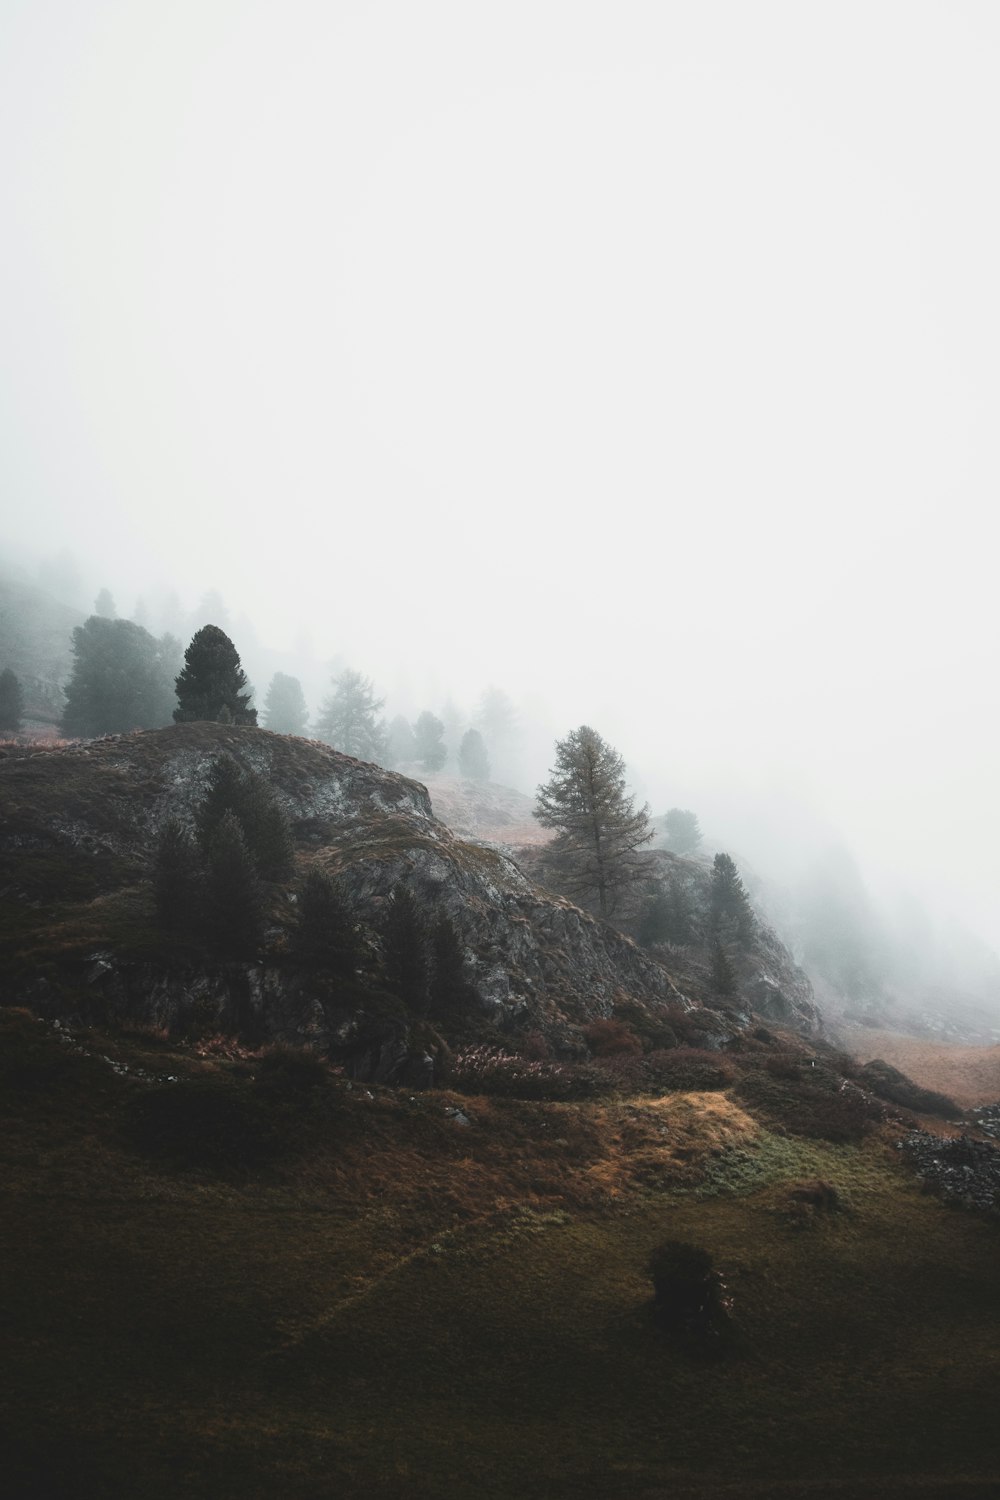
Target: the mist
(635, 361)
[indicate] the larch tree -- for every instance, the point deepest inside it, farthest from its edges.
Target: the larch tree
(285, 705)
(348, 719)
(212, 679)
(598, 830)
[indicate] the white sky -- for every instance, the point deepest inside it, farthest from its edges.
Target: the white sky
(641, 358)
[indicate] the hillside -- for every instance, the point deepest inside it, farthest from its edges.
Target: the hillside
(76, 834)
(410, 1259)
(312, 1288)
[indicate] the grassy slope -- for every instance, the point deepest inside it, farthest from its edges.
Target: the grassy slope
(969, 1075)
(409, 1307)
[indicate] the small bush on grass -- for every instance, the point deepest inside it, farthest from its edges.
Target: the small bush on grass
(202, 1122)
(688, 1070)
(291, 1071)
(690, 1296)
(611, 1038)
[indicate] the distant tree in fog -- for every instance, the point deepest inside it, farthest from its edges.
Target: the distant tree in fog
(348, 719)
(212, 679)
(104, 606)
(428, 736)
(598, 830)
(496, 718)
(11, 701)
(683, 833)
(401, 747)
(473, 761)
(122, 679)
(285, 705)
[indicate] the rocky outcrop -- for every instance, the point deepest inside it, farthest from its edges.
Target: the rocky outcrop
(535, 959)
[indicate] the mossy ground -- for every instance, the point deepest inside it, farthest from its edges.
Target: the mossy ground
(402, 1306)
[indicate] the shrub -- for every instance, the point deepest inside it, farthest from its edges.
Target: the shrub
(491, 1070)
(285, 1071)
(611, 1038)
(202, 1122)
(889, 1083)
(819, 1105)
(690, 1296)
(688, 1069)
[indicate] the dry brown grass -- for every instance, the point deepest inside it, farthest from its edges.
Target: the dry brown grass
(969, 1075)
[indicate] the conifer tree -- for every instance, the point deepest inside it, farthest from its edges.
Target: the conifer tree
(406, 957)
(723, 973)
(348, 719)
(428, 736)
(451, 994)
(176, 878)
(104, 605)
(730, 912)
(11, 702)
(285, 706)
(263, 821)
(598, 830)
(401, 747)
(325, 936)
(234, 908)
(682, 831)
(120, 679)
(473, 761)
(211, 679)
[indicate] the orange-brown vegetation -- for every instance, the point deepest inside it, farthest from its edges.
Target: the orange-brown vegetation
(969, 1075)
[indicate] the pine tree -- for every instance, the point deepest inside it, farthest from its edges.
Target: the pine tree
(682, 831)
(104, 606)
(285, 706)
(428, 735)
(597, 828)
(11, 702)
(729, 905)
(177, 883)
(348, 719)
(262, 819)
(723, 973)
(405, 940)
(451, 994)
(473, 761)
(324, 936)
(212, 678)
(120, 680)
(234, 908)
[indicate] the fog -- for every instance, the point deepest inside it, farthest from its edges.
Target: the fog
(639, 359)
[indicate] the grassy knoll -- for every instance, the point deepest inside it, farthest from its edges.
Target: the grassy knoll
(382, 1300)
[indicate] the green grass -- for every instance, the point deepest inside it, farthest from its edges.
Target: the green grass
(399, 1306)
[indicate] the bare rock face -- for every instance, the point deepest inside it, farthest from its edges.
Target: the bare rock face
(535, 958)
